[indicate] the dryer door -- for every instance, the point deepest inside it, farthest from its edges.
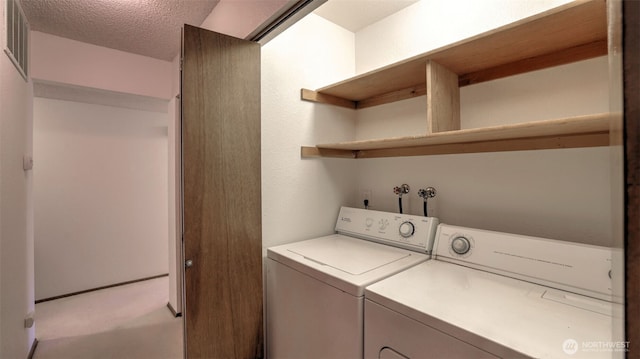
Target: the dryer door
(388, 353)
(385, 329)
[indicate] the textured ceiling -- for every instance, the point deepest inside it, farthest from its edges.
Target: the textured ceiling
(152, 27)
(146, 27)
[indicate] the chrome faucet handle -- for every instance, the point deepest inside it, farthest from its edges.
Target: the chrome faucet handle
(403, 189)
(427, 193)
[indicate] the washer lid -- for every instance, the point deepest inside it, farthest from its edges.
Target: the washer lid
(348, 255)
(344, 262)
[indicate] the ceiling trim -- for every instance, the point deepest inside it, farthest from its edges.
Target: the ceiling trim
(90, 95)
(283, 19)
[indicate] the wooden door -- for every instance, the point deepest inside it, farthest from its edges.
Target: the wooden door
(221, 203)
(631, 143)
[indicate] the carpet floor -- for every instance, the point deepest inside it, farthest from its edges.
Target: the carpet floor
(125, 322)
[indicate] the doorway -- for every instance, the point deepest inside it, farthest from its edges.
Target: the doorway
(100, 202)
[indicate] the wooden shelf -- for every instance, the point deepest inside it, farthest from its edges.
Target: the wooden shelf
(582, 131)
(569, 33)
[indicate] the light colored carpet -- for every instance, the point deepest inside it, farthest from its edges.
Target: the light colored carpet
(125, 322)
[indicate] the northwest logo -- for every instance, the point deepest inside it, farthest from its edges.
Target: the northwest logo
(570, 346)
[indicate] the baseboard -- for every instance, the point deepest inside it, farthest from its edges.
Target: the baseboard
(173, 311)
(32, 351)
(99, 288)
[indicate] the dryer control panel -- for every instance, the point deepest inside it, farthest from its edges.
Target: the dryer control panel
(574, 267)
(401, 230)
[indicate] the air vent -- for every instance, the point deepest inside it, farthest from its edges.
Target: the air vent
(17, 40)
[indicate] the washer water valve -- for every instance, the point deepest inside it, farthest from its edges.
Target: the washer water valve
(425, 194)
(399, 191)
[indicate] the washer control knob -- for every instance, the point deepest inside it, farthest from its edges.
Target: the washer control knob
(383, 224)
(460, 245)
(406, 229)
(368, 222)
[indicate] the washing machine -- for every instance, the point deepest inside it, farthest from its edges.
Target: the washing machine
(315, 288)
(486, 294)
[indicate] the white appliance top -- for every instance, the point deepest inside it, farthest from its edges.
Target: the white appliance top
(574, 267)
(501, 315)
(354, 257)
(348, 262)
(509, 294)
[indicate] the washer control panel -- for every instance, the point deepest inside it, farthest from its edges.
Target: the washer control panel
(400, 230)
(407, 229)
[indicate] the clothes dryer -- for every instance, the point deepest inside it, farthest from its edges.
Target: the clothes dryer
(496, 295)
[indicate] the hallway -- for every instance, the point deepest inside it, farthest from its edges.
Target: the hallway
(126, 322)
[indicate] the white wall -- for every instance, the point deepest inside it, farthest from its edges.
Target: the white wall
(562, 194)
(84, 70)
(100, 188)
(16, 237)
(430, 24)
(62, 60)
(301, 198)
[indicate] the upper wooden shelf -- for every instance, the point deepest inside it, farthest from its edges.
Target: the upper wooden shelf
(569, 33)
(580, 131)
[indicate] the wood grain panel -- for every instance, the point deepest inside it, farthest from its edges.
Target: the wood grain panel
(311, 152)
(222, 199)
(443, 99)
(394, 96)
(562, 57)
(527, 144)
(543, 38)
(313, 96)
(521, 144)
(548, 128)
(631, 59)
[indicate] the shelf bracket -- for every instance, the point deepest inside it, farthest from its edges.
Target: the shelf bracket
(404, 94)
(315, 152)
(314, 96)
